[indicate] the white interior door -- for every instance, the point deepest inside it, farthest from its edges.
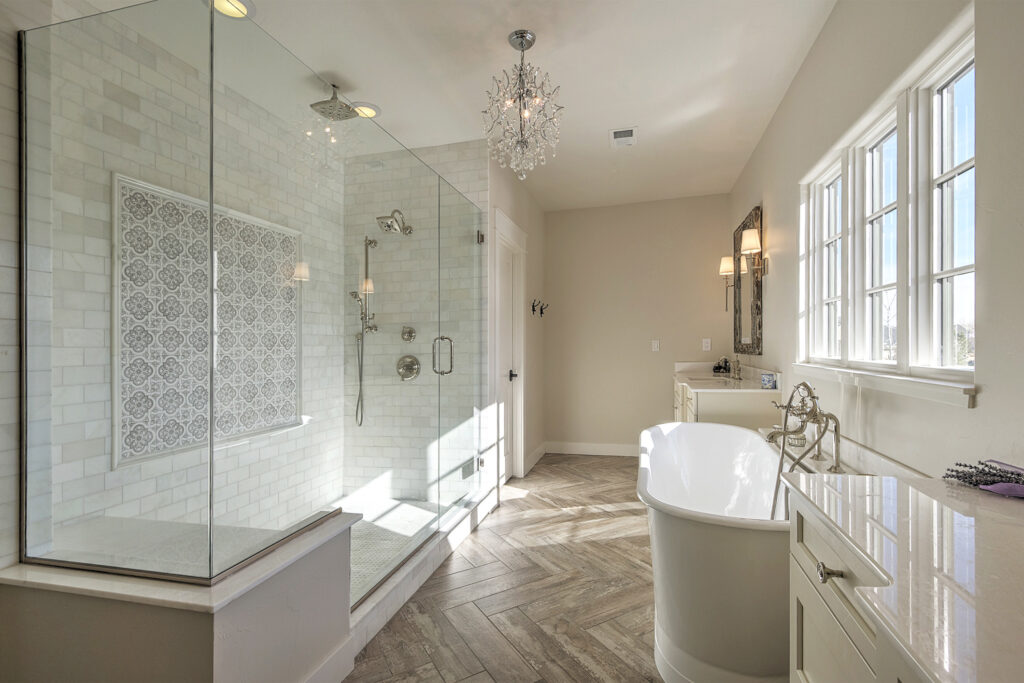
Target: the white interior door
(506, 354)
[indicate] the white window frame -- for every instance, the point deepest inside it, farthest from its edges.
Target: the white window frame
(818, 209)
(910, 112)
(859, 352)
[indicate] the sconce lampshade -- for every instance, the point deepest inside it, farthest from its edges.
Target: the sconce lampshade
(751, 242)
(726, 268)
(367, 287)
(301, 272)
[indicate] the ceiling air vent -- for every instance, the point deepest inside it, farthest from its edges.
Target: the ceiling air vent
(623, 137)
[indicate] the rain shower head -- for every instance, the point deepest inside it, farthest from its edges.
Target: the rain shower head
(334, 109)
(395, 222)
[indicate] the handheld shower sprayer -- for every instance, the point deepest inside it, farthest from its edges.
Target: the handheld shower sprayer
(362, 295)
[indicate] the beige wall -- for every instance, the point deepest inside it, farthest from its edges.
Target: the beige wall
(616, 278)
(508, 194)
(862, 50)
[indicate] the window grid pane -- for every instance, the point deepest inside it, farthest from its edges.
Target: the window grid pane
(881, 328)
(830, 230)
(834, 208)
(954, 298)
(833, 329)
(882, 173)
(954, 219)
(957, 102)
(954, 224)
(881, 250)
(833, 269)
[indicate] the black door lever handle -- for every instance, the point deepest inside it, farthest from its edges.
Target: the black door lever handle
(512, 375)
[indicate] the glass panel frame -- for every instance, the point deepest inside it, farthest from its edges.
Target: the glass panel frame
(247, 492)
(91, 356)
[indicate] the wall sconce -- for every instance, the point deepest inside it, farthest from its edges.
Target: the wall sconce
(727, 269)
(750, 244)
(301, 273)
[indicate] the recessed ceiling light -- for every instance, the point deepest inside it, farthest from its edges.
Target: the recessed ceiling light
(366, 109)
(235, 9)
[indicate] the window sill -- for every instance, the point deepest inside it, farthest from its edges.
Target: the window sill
(958, 394)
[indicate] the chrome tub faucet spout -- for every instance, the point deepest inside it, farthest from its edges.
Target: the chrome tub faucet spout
(803, 406)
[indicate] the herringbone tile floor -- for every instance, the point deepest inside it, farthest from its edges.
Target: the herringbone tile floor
(555, 585)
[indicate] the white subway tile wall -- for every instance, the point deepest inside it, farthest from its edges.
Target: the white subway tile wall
(397, 453)
(122, 104)
(105, 100)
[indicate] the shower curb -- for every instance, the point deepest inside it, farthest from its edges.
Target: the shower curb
(378, 608)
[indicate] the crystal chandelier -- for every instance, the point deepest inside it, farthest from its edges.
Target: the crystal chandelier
(521, 119)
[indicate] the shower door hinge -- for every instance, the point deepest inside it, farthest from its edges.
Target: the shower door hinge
(479, 237)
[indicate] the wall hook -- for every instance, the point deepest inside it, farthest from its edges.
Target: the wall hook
(543, 307)
(533, 306)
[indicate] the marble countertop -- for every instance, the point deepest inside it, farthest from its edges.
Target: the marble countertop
(950, 585)
(711, 382)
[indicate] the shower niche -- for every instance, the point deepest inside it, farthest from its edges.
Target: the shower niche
(191, 353)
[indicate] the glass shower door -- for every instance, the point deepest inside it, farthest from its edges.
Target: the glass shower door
(391, 274)
(462, 288)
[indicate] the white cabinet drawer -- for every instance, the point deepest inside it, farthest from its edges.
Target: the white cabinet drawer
(819, 649)
(811, 544)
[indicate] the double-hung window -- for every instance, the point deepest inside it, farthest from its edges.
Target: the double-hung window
(953, 221)
(880, 305)
(890, 234)
(828, 268)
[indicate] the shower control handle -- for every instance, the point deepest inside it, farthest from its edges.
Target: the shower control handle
(512, 374)
(435, 355)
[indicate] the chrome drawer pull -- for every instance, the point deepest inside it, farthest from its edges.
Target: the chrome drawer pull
(824, 573)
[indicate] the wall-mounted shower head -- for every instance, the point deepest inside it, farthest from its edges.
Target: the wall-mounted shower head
(334, 109)
(394, 222)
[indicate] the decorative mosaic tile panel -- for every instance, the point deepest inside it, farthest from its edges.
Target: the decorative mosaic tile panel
(162, 323)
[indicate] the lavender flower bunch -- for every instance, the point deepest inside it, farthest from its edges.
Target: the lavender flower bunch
(989, 475)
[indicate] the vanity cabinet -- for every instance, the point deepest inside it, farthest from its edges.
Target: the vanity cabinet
(832, 637)
(829, 639)
(743, 407)
(820, 650)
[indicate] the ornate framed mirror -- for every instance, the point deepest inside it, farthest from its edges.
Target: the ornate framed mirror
(746, 327)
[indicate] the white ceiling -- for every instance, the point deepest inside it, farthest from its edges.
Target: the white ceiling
(701, 78)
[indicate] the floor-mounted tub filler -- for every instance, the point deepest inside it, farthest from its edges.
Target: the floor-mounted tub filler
(720, 562)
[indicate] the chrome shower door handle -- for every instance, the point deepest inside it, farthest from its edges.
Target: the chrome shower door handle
(435, 355)
(451, 355)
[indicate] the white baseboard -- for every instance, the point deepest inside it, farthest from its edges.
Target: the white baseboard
(532, 458)
(579, 448)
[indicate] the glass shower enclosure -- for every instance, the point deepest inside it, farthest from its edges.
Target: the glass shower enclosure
(217, 282)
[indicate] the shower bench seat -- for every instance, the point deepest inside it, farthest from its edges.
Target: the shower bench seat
(283, 617)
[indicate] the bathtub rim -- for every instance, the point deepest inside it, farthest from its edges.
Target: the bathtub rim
(653, 502)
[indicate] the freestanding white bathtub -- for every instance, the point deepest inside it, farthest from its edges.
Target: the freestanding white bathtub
(721, 581)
